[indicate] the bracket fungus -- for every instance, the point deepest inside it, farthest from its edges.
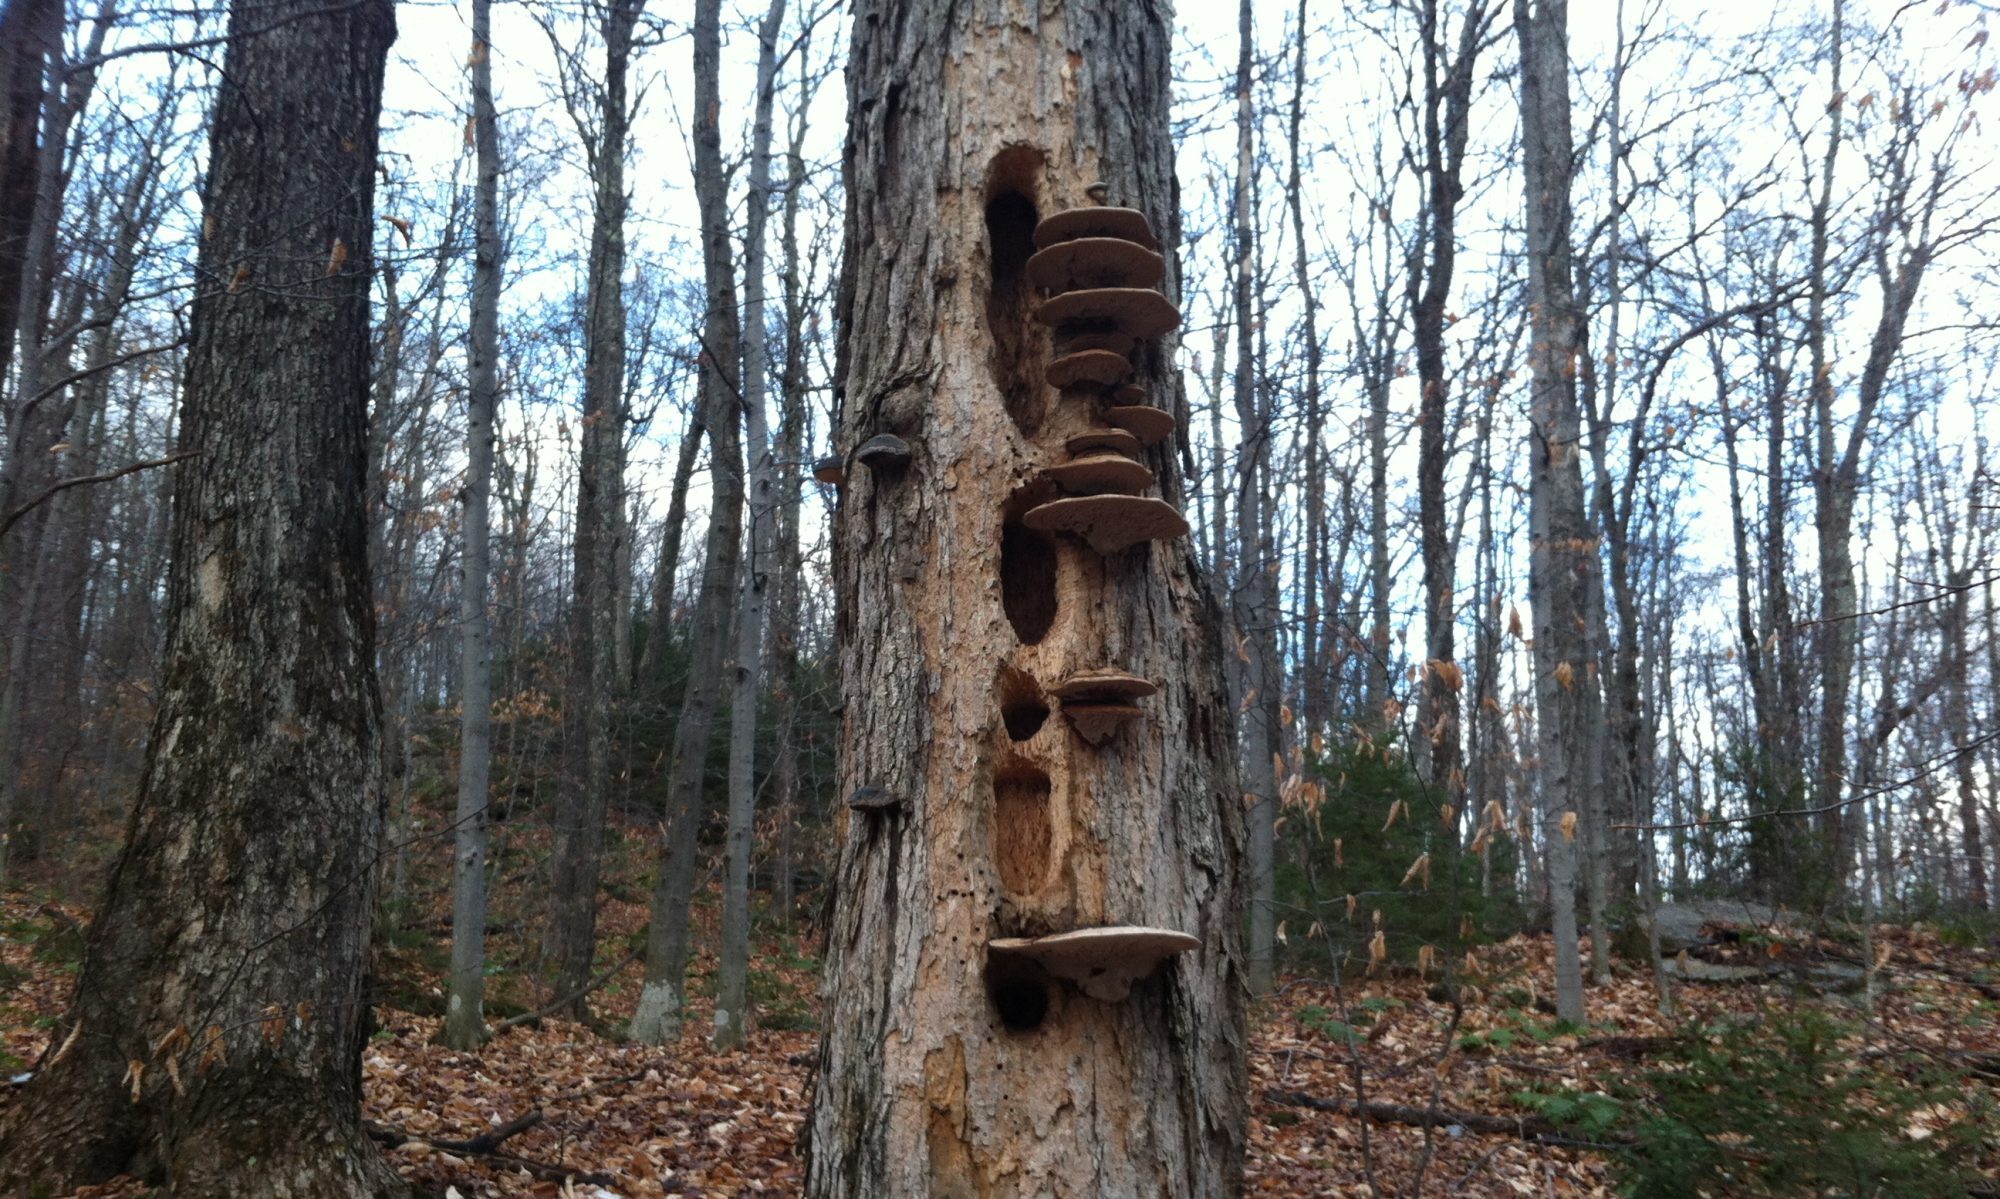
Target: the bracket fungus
(830, 470)
(1095, 339)
(1139, 311)
(1127, 224)
(1106, 682)
(1103, 962)
(1109, 523)
(1096, 721)
(1101, 473)
(1089, 262)
(1102, 367)
(884, 451)
(1149, 424)
(1117, 441)
(866, 798)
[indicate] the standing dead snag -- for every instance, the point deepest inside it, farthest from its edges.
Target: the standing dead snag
(1035, 959)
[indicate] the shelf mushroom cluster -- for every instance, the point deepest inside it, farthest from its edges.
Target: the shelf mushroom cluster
(1101, 266)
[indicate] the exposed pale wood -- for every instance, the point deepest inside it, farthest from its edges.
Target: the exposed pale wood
(923, 1087)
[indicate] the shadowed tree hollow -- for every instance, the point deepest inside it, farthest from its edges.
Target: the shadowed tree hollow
(1036, 737)
(214, 1041)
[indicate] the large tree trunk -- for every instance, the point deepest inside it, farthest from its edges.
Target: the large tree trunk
(663, 1000)
(1563, 559)
(951, 1069)
(217, 1028)
(569, 941)
(464, 1023)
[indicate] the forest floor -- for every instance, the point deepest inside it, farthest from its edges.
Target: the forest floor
(643, 1121)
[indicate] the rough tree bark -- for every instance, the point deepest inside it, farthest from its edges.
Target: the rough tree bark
(216, 1032)
(465, 1023)
(1562, 551)
(569, 940)
(947, 1073)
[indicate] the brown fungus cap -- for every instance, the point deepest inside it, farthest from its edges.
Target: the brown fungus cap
(1101, 367)
(1095, 722)
(883, 451)
(1139, 311)
(1109, 523)
(1098, 473)
(1096, 339)
(1128, 224)
(1143, 421)
(1095, 262)
(1104, 682)
(1104, 962)
(1116, 440)
(830, 470)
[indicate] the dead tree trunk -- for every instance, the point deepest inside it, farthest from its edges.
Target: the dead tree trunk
(216, 1032)
(978, 809)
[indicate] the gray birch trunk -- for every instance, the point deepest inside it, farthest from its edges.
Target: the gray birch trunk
(464, 1023)
(946, 1073)
(569, 939)
(1253, 600)
(1562, 553)
(663, 999)
(732, 1012)
(1313, 703)
(233, 938)
(783, 656)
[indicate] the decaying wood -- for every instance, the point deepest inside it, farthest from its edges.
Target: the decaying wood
(487, 1144)
(569, 1000)
(939, 1074)
(1526, 1128)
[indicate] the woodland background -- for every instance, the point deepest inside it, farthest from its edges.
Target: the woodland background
(1786, 671)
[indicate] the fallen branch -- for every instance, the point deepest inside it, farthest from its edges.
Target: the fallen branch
(1526, 1128)
(557, 1005)
(487, 1144)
